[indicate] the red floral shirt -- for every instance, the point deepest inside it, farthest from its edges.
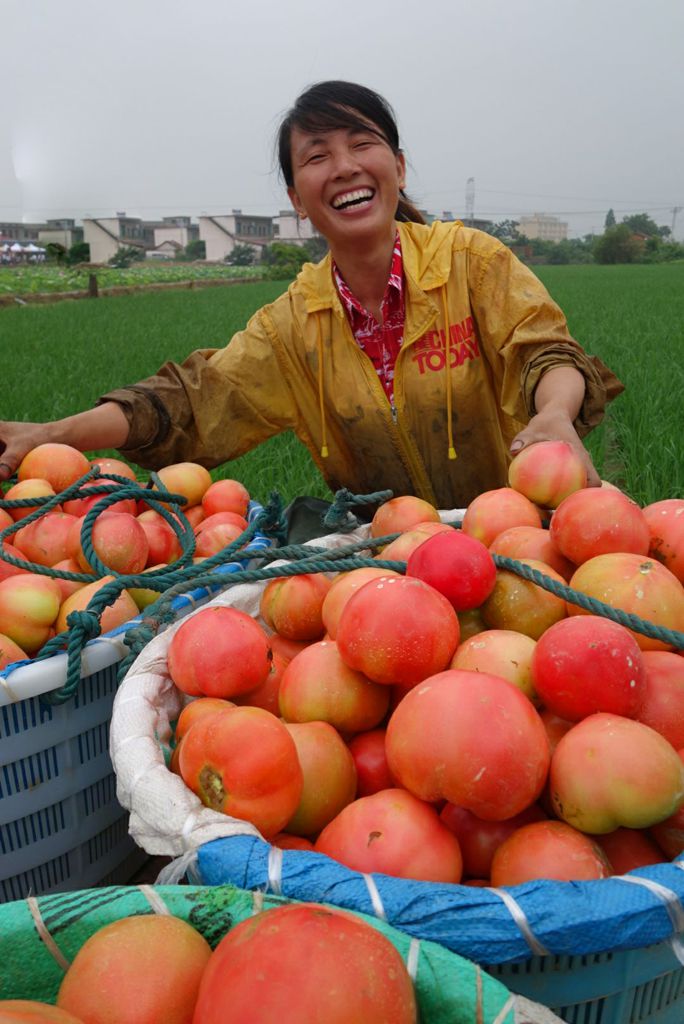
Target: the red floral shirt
(380, 342)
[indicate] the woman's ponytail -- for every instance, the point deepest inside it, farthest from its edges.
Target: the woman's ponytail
(406, 211)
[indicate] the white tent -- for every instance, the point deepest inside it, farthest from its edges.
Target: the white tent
(16, 247)
(33, 248)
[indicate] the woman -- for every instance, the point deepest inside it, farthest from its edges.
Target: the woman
(416, 358)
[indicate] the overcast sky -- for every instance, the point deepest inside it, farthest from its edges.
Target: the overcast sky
(162, 107)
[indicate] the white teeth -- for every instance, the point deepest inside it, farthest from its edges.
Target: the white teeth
(351, 197)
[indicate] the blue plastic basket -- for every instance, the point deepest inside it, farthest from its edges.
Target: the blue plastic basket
(61, 826)
(638, 986)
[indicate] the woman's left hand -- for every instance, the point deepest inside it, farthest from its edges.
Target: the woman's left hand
(553, 424)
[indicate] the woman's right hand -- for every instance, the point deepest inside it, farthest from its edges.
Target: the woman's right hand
(16, 440)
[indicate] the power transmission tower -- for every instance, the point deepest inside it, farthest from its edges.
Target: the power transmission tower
(675, 211)
(470, 201)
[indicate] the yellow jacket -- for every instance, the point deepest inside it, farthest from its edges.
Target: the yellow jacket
(297, 366)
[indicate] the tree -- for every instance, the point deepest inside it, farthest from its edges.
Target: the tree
(610, 219)
(506, 231)
(55, 251)
(241, 256)
(78, 253)
(196, 250)
(641, 224)
(283, 261)
(617, 245)
(125, 255)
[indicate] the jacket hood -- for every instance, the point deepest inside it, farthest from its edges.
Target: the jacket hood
(426, 251)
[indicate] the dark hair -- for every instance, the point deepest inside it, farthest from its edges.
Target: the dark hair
(329, 105)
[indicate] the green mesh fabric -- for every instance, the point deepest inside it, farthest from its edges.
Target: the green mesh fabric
(36, 935)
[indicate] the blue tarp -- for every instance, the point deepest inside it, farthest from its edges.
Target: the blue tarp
(559, 917)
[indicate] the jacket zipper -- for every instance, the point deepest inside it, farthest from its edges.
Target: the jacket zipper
(401, 442)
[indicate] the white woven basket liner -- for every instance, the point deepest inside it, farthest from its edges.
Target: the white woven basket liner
(166, 818)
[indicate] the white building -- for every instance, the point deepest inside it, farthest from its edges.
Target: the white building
(223, 232)
(105, 235)
(290, 228)
(544, 226)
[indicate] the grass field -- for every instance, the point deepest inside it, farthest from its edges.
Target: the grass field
(57, 359)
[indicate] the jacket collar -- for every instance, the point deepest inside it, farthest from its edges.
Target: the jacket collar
(426, 252)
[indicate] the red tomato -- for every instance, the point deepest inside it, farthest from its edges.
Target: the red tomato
(266, 695)
(669, 834)
(458, 566)
(397, 630)
(479, 839)
(547, 471)
(663, 706)
(492, 512)
(304, 964)
(370, 758)
(346, 584)
(629, 848)
(522, 542)
(287, 842)
(244, 763)
(598, 521)
(293, 606)
(666, 527)
(548, 849)
(220, 652)
(609, 771)
(470, 738)
(637, 585)
(394, 833)
(318, 686)
(329, 776)
(400, 514)
(139, 970)
(587, 664)
(197, 709)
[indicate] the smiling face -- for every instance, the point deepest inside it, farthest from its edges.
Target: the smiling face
(347, 181)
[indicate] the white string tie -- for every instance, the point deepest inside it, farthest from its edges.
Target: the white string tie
(413, 958)
(8, 690)
(520, 918)
(673, 905)
(505, 1010)
(275, 870)
(378, 908)
(176, 871)
(257, 901)
(155, 900)
(44, 934)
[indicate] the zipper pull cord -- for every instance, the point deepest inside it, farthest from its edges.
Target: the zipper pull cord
(447, 354)
(321, 403)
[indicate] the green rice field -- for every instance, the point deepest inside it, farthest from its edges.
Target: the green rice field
(58, 358)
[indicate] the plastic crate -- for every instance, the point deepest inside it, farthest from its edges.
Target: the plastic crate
(61, 826)
(637, 986)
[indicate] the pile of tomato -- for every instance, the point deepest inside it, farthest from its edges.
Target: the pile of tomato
(458, 722)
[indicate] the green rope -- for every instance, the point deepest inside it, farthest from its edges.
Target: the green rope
(591, 604)
(340, 519)
(179, 577)
(344, 561)
(84, 626)
(121, 488)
